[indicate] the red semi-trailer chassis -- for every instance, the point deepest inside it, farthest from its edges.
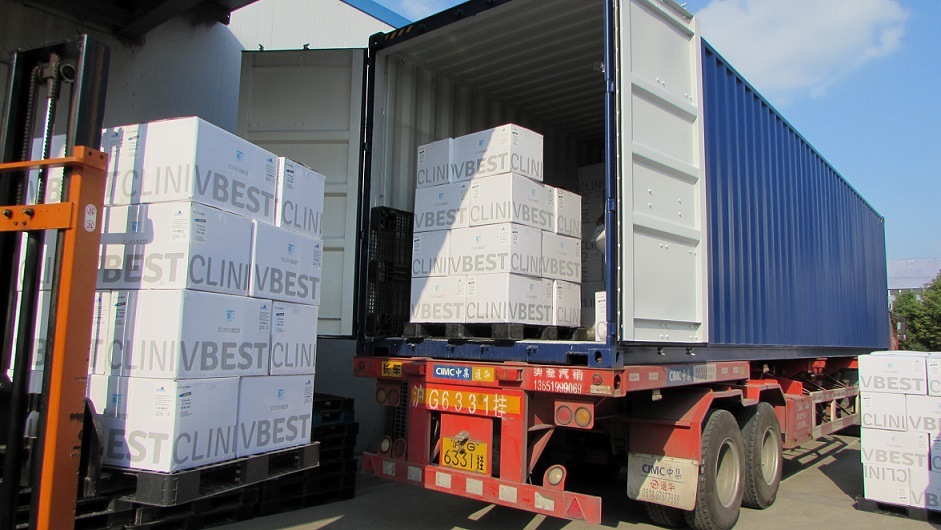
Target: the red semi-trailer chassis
(479, 429)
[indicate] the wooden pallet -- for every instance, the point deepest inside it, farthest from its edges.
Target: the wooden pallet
(496, 332)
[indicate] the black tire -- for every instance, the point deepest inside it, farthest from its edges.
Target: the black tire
(721, 475)
(764, 459)
(666, 516)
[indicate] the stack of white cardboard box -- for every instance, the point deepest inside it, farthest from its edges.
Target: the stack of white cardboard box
(900, 405)
(204, 343)
(591, 187)
(492, 242)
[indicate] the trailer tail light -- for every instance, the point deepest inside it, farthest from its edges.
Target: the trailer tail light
(398, 448)
(388, 395)
(563, 415)
(385, 445)
(554, 477)
(575, 414)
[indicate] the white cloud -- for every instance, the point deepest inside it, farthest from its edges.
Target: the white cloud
(789, 49)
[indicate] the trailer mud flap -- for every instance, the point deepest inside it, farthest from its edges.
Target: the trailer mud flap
(662, 480)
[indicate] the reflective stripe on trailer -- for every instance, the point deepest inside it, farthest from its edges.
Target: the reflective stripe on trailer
(564, 504)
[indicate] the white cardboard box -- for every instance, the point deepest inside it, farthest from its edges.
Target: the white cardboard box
(434, 163)
(496, 248)
(37, 351)
(933, 368)
(568, 212)
(566, 304)
(899, 372)
(189, 159)
(934, 451)
(441, 207)
(101, 327)
(510, 198)
(181, 334)
(286, 265)
(293, 338)
(888, 484)
(165, 425)
(592, 258)
(299, 201)
(883, 411)
(438, 299)
(590, 179)
(923, 413)
(274, 412)
(925, 489)
(561, 257)
(504, 149)
(175, 245)
(601, 308)
(592, 209)
(109, 325)
(430, 253)
(588, 302)
(509, 298)
(894, 448)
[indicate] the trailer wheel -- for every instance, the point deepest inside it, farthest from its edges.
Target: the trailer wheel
(721, 476)
(763, 456)
(666, 516)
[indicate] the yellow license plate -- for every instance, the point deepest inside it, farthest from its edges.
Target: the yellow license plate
(469, 455)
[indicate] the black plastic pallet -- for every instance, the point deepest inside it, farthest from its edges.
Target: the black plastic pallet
(308, 482)
(218, 509)
(340, 452)
(92, 513)
(910, 512)
(388, 271)
(497, 331)
(331, 410)
(336, 434)
(169, 489)
(303, 501)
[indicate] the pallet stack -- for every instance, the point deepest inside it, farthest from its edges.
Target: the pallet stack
(493, 244)
(900, 401)
(335, 478)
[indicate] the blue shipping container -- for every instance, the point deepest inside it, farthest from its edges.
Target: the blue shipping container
(797, 257)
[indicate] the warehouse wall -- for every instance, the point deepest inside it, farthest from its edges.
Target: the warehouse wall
(290, 24)
(179, 69)
(182, 68)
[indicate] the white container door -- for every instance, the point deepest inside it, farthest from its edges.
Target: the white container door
(662, 194)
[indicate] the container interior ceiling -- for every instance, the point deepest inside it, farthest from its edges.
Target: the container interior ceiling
(536, 63)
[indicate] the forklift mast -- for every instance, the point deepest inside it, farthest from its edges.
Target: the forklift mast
(55, 88)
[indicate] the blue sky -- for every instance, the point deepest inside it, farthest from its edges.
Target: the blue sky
(860, 79)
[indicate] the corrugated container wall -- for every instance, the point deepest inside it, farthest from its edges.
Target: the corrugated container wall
(797, 256)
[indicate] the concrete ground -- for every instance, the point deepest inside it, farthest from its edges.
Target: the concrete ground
(820, 484)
